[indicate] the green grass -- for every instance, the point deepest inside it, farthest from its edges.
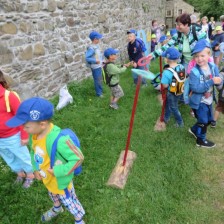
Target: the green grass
(171, 181)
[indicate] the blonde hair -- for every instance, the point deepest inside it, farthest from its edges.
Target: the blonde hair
(204, 17)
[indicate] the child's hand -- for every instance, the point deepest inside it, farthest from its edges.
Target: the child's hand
(128, 64)
(51, 171)
(37, 175)
(134, 64)
(97, 62)
(217, 80)
(24, 141)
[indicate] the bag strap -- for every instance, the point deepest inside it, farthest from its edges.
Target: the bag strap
(7, 103)
(175, 74)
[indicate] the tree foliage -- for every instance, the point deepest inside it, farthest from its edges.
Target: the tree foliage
(208, 8)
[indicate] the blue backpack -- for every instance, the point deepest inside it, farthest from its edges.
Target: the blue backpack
(76, 142)
(141, 44)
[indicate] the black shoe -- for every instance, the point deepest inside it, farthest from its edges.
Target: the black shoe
(213, 124)
(190, 131)
(205, 144)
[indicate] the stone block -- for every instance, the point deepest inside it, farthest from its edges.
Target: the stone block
(24, 27)
(70, 22)
(68, 57)
(39, 49)
(8, 28)
(52, 5)
(6, 55)
(61, 4)
(26, 53)
(102, 18)
(55, 65)
(75, 37)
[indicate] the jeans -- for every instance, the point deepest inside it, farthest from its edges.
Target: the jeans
(135, 77)
(172, 107)
(97, 77)
(15, 155)
(204, 115)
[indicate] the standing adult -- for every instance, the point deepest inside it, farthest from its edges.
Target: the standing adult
(212, 23)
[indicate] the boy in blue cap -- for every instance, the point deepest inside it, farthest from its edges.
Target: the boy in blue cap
(113, 72)
(35, 115)
(93, 57)
(135, 52)
(202, 79)
(172, 79)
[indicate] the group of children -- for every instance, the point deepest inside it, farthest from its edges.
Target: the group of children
(96, 62)
(33, 116)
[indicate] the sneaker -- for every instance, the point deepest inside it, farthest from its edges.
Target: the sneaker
(28, 182)
(50, 214)
(101, 96)
(114, 106)
(205, 143)
(213, 124)
(191, 131)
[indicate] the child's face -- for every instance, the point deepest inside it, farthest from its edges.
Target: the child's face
(131, 37)
(218, 31)
(96, 41)
(204, 21)
(113, 57)
(202, 57)
(153, 39)
(34, 128)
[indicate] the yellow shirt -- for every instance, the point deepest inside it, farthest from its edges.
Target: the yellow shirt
(42, 160)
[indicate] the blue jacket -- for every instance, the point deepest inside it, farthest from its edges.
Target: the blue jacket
(92, 54)
(198, 85)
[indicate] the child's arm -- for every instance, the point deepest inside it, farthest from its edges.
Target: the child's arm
(200, 87)
(71, 154)
(89, 56)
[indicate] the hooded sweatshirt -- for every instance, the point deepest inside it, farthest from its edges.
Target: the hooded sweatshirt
(14, 103)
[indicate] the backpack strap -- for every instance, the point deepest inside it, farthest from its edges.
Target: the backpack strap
(194, 33)
(7, 103)
(175, 74)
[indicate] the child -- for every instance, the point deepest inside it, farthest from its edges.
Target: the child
(218, 38)
(201, 81)
(220, 105)
(163, 40)
(35, 115)
(153, 42)
(13, 140)
(94, 59)
(168, 81)
(135, 53)
(113, 71)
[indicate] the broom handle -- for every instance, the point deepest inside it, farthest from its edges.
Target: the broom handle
(132, 118)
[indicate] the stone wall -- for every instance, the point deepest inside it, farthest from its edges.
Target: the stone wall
(42, 42)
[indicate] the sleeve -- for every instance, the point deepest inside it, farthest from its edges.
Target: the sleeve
(14, 102)
(170, 43)
(199, 87)
(71, 154)
(166, 77)
(89, 56)
(201, 34)
(114, 69)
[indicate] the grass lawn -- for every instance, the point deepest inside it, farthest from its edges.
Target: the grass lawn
(172, 181)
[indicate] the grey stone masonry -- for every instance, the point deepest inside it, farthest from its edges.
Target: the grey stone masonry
(43, 42)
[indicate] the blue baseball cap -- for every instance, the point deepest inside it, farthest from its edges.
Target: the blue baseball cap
(110, 51)
(200, 46)
(171, 53)
(162, 38)
(95, 35)
(33, 109)
(173, 31)
(132, 31)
